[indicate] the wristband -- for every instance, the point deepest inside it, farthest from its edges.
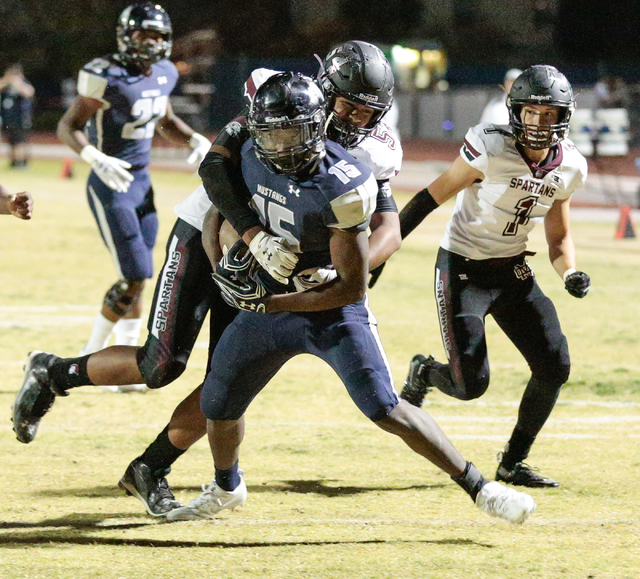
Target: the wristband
(567, 273)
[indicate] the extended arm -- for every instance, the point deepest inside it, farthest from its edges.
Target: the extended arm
(173, 129)
(111, 170)
(71, 125)
(456, 178)
(562, 252)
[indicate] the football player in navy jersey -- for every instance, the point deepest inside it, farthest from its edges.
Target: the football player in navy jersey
(122, 99)
(507, 178)
(185, 291)
(318, 198)
(19, 205)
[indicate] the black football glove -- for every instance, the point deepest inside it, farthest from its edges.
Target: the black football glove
(234, 278)
(375, 274)
(577, 284)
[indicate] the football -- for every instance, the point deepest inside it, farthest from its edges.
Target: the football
(227, 236)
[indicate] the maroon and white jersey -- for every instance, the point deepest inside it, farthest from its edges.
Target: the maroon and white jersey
(493, 218)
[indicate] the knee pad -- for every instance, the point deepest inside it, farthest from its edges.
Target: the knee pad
(158, 370)
(556, 374)
(117, 299)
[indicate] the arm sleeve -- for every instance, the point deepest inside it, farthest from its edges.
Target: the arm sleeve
(385, 203)
(223, 182)
(415, 211)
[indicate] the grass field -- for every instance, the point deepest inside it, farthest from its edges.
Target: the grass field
(330, 495)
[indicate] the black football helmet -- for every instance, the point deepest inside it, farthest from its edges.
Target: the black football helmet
(287, 124)
(357, 71)
(540, 84)
(146, 16)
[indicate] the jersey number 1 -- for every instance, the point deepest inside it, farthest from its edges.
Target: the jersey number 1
(148, 111)
(524, 207)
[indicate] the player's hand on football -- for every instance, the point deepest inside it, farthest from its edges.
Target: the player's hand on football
(310, 278)
(200, 145)
(274, 255)
(577, 283)
(111, 170)
(21, 205)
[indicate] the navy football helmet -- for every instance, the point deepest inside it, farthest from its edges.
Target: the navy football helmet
(540, 84)
(144, 17)
(359, 72)
(287, 124)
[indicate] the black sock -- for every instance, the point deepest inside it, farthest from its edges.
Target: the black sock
(228, 480)
(517, 448)
(471, 480)
(161, 454)
(70, 373)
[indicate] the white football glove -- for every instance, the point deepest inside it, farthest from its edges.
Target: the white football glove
(273, 255)
(111, 170)
(200, 146)
(310, 278)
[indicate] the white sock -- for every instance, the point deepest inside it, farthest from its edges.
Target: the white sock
(127, 331)
(100, 335)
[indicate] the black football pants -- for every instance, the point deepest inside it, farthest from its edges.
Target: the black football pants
(466, 291)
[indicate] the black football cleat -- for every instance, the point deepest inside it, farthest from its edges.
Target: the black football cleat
(416, 386)
(151, 489)
(523, 475)
(35, 397)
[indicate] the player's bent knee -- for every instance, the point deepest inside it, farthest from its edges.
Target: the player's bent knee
(122, 295)
(556, 374)
(471, 387)
(372, 392)
(218, 408)
(155, 372)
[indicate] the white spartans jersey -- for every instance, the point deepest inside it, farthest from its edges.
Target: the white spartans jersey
(493, 218)
(381, 152)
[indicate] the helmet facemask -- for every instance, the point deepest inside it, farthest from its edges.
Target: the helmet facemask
(539, 136)
(346, 133)
(358, 72)
(292, 148)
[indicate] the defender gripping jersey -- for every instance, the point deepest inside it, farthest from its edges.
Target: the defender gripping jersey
(493, 218)
(132, 103)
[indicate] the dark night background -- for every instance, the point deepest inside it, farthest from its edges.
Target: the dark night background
(584, 38)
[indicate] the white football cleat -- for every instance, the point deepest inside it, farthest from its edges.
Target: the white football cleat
(499, 501)
(212, 500)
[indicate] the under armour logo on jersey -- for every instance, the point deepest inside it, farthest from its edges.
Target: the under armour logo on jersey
(523, 271)
(463, 277)
(163, 80)
(293, 190)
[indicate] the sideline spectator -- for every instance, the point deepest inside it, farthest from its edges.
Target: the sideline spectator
(496, 111)
(16, 95)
